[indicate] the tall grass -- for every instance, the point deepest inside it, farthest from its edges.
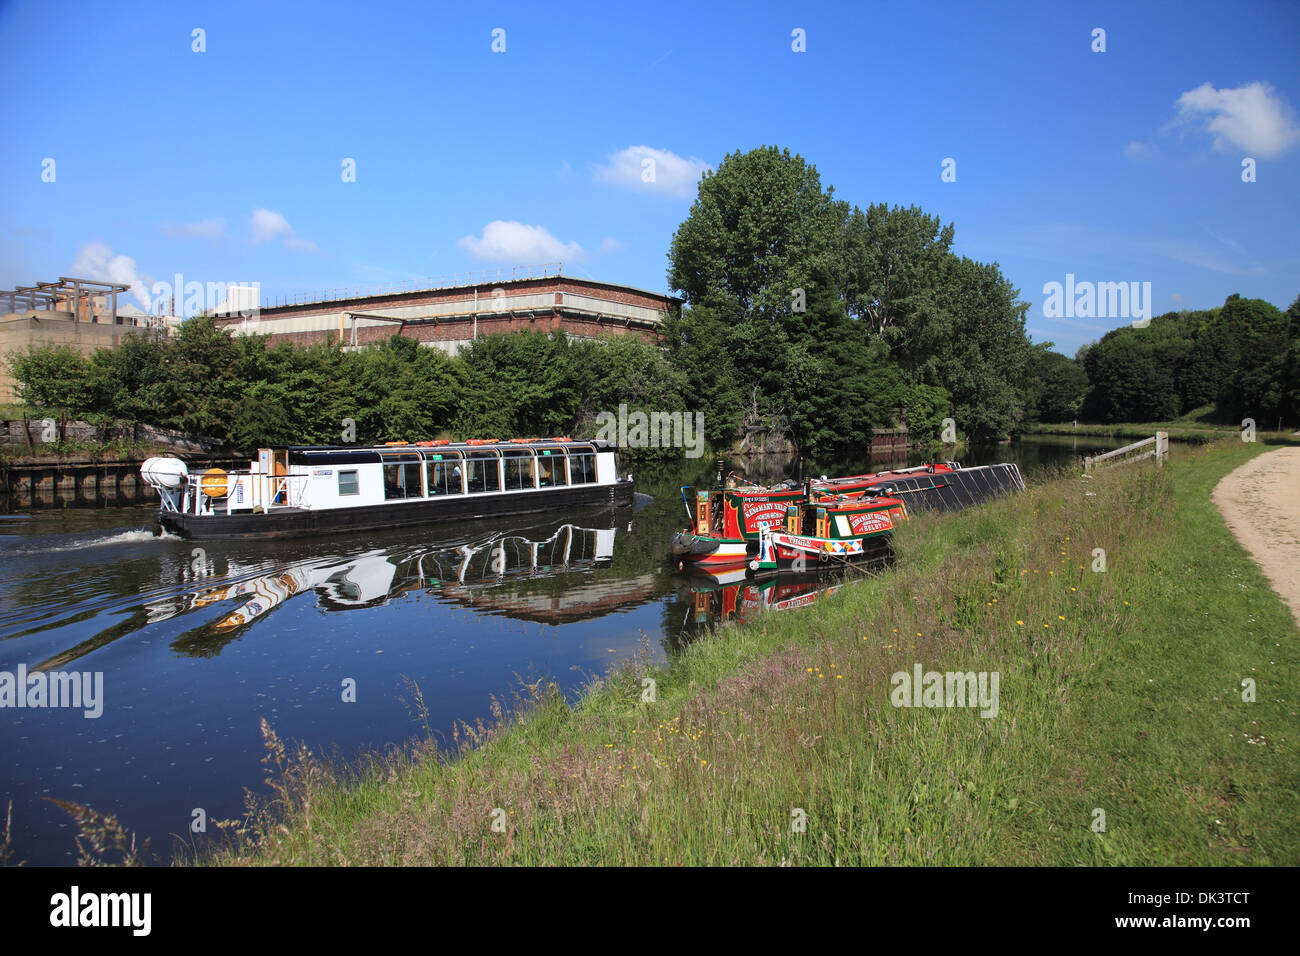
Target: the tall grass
(1120, 692)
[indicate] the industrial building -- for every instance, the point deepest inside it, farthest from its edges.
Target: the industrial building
(450, 313)
(81, 313)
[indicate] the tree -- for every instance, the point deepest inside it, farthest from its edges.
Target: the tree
(759, 226)
(1056, 386)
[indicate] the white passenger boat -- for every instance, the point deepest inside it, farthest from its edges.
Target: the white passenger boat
(320, 489)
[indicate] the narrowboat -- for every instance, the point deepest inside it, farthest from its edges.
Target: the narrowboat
(829, 528)
(727, 521)
(325, 489)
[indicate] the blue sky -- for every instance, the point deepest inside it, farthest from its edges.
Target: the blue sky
(226, 165)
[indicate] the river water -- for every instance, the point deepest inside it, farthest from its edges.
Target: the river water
(194, 642)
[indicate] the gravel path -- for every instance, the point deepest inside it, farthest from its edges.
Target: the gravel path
(1260, 502)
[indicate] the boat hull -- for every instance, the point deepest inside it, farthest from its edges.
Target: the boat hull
(298, 521)
(780, 550)
(709, 551)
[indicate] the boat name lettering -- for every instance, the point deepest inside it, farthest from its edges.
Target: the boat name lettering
(763, 510)
(872, 521)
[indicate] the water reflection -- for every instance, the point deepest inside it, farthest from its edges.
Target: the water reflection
(707, 600)
(530, 576)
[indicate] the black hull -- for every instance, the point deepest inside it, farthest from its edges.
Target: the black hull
(287, 522)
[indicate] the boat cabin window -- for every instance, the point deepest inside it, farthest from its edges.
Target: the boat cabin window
(518, 469)
(348, 483)
(444, 474)
(582, 467)
(550, 468)
(482, 473)
(402, 480)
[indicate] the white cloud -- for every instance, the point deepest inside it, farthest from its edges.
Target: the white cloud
(214, 229)
(299, 244)
(268, 225)
(520, 244)
(652, 170)
(610, 244)
(96, 260)
(1252, 118)
(1136, 150)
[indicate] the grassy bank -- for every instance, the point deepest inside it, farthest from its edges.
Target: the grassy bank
(1120, 691)
(1177, 432)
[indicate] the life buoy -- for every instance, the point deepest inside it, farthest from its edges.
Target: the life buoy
(425, 444)
(565, 438)
(440, 442)
(213, 483)
(481, 441)
(397, 443)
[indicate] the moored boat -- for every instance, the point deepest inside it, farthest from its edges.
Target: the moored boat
(323, 489)
(830, 528)
(727, 521)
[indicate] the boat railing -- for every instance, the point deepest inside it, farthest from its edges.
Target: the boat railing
(202, 494)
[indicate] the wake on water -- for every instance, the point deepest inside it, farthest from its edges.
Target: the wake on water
(134, 536)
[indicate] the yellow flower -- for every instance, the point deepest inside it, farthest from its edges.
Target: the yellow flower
(1060, 617)
(1021, 623)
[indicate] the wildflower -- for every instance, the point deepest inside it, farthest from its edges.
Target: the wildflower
(1060, 617)
(1021, 623)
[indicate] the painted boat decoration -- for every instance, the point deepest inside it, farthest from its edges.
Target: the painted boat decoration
(827, 529)
(727, 521)
(323, 489)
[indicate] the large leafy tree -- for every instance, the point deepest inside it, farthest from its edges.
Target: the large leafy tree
(759, 227)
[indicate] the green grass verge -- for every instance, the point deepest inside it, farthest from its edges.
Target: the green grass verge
(1120, 691)
(1178, 431)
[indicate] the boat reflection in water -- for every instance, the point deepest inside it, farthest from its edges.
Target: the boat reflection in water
(531, 576)
(713, 599)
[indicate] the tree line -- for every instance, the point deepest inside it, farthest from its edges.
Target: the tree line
(250, 393)
(1238, 361)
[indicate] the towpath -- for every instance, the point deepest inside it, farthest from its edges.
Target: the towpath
(1260, 502)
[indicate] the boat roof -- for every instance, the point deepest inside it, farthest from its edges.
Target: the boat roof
(477, 445)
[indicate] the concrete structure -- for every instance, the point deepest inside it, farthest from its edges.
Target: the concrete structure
(451, 314)
(81, 313)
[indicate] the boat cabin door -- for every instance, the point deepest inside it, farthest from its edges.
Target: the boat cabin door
(272, 487)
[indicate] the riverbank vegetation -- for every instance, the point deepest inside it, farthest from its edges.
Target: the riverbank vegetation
(1122, 733)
